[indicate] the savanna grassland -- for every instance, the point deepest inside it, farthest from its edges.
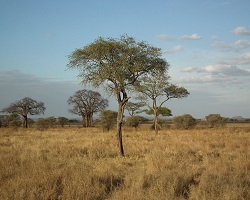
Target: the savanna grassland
(84, 163)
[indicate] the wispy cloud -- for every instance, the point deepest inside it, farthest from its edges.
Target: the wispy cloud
(165, 37)
(241, 30)
(220, 69)
(235, 46)
(190, 37)
(175, 49)
(222, 75)
(243, 59)
(15, 85)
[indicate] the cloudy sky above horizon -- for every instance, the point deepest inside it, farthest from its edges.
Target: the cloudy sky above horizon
(207, 44)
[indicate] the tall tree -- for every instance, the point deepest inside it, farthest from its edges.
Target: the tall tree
(24, 107)
(157, 88)
(85, 103)
(116, 64)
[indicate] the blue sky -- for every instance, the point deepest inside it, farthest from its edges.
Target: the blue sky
(207, 44)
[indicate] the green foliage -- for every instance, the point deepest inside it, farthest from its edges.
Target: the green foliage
(120, 61)
(108, 119)
(135, 121)
(184, 121)
(163, 111)
(215, 120)
(13, 120)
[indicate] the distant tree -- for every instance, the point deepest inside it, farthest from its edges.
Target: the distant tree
(107, 119)
(117, 64)
(135, 121)
(163, 111)
(62, 121)
(42, 124)
(134, 108)
(215, 120)
(157, 88)
(24, 107)
(13, 120)
(51, 121)
(184, 121)
(85, 103)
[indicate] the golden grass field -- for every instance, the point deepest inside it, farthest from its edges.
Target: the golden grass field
(84, 163)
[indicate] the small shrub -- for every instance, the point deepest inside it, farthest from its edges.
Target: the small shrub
(107, 119)
(42, 124)
(13, 120)
(135, 121)
(215, 120)
(184, 121)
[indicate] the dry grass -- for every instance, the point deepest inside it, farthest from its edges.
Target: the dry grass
(79, 163)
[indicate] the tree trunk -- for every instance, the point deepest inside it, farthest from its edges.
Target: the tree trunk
(119, 127)
(25, 121)
(156, 122)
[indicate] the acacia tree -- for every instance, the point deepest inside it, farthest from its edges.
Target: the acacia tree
(24, 107)
(157, 88)
(116, 64)
(85, 103)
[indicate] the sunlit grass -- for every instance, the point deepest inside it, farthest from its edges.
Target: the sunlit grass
(80, 163)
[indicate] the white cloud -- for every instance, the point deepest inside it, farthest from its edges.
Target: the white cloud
(235, 46)
(175, 49)
(190, 69)
(241, 30)
(214, 37)
(190, 37)
(225, 69)
(243, 59)
(220, 69)
(164, 37)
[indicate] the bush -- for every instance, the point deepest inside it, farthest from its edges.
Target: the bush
(42, 124)
(184, 121)
(13, 120)
(135, 121)
(108, 119)
(215, 120)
